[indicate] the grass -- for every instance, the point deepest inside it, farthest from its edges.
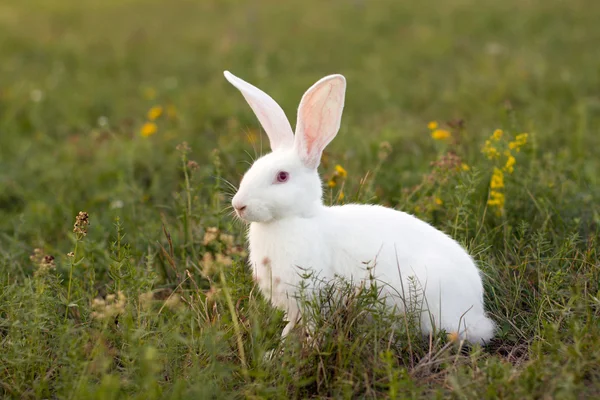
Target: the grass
(155, 300)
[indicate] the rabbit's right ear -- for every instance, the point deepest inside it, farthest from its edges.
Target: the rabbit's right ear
(319, 118)
(269, 113)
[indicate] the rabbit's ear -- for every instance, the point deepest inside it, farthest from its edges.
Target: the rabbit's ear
(269, 113)
(319, 117)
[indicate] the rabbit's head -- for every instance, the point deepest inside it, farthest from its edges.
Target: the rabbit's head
(285, 183)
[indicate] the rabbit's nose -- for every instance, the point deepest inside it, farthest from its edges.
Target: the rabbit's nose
(238, 206)
(239, 210)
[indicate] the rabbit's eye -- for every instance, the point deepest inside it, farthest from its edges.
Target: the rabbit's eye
(282, 176)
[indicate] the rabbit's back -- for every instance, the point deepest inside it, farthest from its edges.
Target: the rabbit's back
(411, 259)
(383, 236)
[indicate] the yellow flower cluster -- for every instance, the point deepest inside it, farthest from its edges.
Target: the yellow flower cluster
(436, 133)
(489, 148)
(501, 151)
(150, 127)
(155, 112)
(440, 134)
(520, 141)
(490, 151)
(341, 171)
(510, 163)
(497, 181)
(497, 198)
(340, 174)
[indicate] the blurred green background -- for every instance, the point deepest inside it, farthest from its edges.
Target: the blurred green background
(78, 80)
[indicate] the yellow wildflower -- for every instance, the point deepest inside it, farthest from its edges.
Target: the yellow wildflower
(341, 171)
(465, 167)
(497, 135)
(432, 125)
(522, 137)
(510, 163)
(489, 150)
(520, 141)
(440, 134)
(497, 199)
(341, 196)
(155, 112)
(148, 129)
(331, 183)
(438, 201)
(497, 181)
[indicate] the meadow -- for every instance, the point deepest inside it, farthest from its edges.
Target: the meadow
(124, 275)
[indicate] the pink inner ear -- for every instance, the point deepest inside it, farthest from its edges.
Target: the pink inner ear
(319, 117)
(316, 113)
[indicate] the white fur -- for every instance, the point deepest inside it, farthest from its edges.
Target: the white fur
(291, 229)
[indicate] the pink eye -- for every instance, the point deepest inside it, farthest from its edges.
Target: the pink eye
(282, 176)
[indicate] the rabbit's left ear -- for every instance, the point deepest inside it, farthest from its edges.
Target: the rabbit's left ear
(319, 118)
(268, 112)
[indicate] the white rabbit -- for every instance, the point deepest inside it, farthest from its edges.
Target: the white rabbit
(291, 228)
